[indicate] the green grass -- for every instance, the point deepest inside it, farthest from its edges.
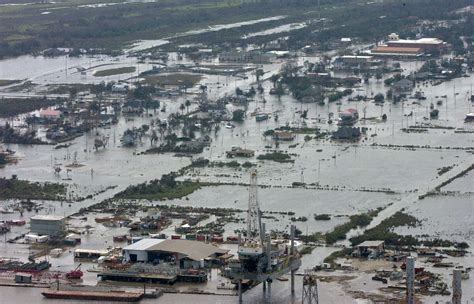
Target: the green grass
(277, 157)
(357, 220)
(383, 231)
(158, 192)
(22, 189)
(116, 71)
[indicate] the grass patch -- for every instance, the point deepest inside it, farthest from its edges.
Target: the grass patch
(20, 189)
(162, 189)
(116, 71)
(180, 79)
(357, 220)
(15, 106)
(276, 156)
(383, 231)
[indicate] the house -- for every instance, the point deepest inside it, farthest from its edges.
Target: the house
(132, 106)
(239, 152)
(402, 87)
(50, 114)
(283, 135)
(370, 249)
(348, 117)
(51, 225)
(120, 88)
(185, 253)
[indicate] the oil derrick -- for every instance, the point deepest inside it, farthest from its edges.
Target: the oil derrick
(310, 288)
(260, 260)
(254, 222)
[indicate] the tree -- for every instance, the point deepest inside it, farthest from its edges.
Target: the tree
(182, 107)
(378, 75)
(72, 92)
(268, 133)
(168, 180)
(259, 73)
(187, 104)
(238, 91)
(274, 78)
(379, 98)
(238, 115)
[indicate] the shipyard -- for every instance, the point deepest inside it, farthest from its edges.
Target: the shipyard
(219, 152)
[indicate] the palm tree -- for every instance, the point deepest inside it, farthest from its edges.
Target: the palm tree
(187, 104)
(182, 107)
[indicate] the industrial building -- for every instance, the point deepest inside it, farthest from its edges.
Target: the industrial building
(395, 46)
(51, 225)
(397, 51)
(185, 253)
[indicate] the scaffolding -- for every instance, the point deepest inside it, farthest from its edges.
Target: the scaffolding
(310, 288)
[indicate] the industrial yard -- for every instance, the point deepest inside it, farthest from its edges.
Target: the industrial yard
(241, 170)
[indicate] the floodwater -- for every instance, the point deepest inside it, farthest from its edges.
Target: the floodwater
(351, 177)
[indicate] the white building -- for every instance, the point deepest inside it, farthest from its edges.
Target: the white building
(52, 225)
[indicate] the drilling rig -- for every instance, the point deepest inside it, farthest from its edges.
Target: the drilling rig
(260, 260)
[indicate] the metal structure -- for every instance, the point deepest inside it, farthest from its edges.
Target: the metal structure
(457, 291)
(260, 260)
(310, 288)
(254, 222)
(410, 268)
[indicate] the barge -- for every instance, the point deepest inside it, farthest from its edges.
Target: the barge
(119, 296)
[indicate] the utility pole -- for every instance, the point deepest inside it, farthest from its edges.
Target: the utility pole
(410, 269)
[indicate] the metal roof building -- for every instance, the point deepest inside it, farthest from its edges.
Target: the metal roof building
(48, 225)
(159, 250)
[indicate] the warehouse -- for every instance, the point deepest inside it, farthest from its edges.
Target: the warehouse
(48, 225)
(189, 254)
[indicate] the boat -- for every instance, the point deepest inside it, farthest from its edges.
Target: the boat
(261, 117)
(469, 117)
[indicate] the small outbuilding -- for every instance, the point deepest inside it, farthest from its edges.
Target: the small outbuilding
(370, 248)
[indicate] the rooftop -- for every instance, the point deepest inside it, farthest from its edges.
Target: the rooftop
(396, 50)
(47, 217)
(370, 244)
(194, 250)
(419, 41)
(143, 244)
